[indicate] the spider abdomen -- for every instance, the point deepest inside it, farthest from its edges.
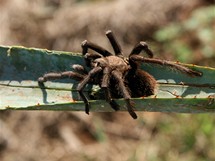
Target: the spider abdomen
(140, 83)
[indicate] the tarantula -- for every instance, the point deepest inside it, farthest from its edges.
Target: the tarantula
(117, 75)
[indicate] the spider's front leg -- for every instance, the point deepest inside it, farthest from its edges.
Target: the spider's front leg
(79, 68)
(62, 75)
(116, 47)
(142, 46)
(118, 76)
(105, 85)
(89, 45)
(183, 69)
(83, 83)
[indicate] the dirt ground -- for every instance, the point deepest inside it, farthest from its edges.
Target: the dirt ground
(62, 136)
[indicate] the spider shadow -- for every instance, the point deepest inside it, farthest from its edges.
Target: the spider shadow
(74, 93)
(44, 93)
(88, 92)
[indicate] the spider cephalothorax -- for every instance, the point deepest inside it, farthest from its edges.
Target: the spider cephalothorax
(117, 75)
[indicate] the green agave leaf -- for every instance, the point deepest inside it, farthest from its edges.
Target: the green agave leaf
(20, 68)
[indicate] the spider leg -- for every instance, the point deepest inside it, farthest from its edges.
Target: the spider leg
(141, 46)
(93, 56)
(89, 45)
(118, 76)
(105, 85)
(79, 68)
(62, 75)
(181, 68)
(116, 47)
(83, 83)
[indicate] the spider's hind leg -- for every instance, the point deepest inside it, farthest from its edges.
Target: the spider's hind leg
(183, 69)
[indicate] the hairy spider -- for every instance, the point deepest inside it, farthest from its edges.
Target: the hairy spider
(117, 75)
